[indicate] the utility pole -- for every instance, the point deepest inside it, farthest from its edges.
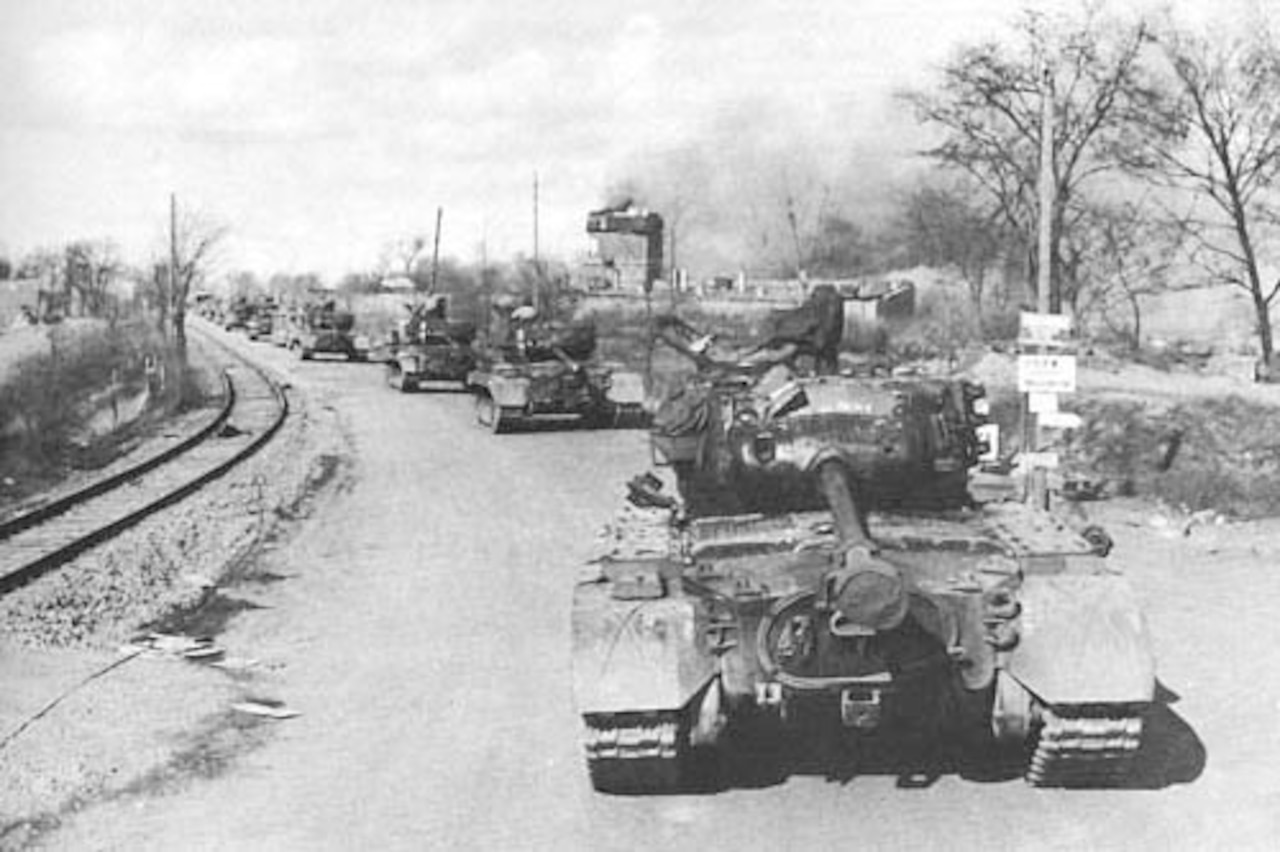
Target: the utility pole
(537, 262)
(1045, 248)
(1038, 485)
(172, 290)
(435, 251)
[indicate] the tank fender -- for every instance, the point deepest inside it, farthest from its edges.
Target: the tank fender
(1082, 639)
(636, 655)
(625, 388)
(409, 363)
(509, 392)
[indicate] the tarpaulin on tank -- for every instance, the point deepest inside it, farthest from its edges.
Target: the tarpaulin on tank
(815, 327)
(686, 411)
(578, 341)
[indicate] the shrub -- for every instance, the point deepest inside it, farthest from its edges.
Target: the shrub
(42, 402)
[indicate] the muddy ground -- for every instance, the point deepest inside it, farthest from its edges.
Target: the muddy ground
(416, 619)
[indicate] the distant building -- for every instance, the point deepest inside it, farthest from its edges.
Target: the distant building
(628, 249)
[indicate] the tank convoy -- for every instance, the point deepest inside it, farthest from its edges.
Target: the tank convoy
(537, 370)
(428, 349)
(822, 565)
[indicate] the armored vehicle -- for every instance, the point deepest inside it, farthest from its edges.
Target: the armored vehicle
(824, 567)
(260, 320)
(236, 313)
(429, 349)
(545, 372)
(326, 329)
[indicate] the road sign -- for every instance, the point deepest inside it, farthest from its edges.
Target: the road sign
(1060, 420)
(1046, 330)
(1046, 373)
(1045, 460)
(1042, 403)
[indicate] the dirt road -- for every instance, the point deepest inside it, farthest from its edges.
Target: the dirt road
(420, 626)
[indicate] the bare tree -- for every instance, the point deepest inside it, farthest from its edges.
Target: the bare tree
(89, 269)
(1215, 130)
(194, 241)
(1127, 255)
(402, 257)
(950, 224)
(988, 108)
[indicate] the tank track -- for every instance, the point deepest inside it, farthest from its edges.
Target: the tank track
(1078, 750)
(643, 755)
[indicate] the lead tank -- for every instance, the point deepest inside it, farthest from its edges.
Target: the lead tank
(823, 566)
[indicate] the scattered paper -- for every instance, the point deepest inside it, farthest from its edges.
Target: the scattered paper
(260, 708)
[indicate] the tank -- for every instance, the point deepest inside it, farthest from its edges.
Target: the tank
(822, 567)
(329, 330)
(544, 372)
(431, 351)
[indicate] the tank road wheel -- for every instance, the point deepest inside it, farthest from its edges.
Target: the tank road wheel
(641, 754)
(397, 379)
(490, 415)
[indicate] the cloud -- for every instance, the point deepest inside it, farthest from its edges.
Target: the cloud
(144, 78)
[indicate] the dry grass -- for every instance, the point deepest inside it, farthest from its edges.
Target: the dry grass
(44, 396)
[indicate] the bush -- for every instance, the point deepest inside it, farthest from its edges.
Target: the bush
(944, 323)
(1214, 453)
(42, 403)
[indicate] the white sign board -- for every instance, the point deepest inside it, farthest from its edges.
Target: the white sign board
(1046, 373)
(1060, 420)
(1042, 403)
(1047, 461)
(989, 433)
(1051, 330)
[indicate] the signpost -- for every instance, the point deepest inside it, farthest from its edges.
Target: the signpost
(1046, 371)
(1046, 374)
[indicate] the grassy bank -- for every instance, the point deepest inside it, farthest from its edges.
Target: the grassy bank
(51, 394)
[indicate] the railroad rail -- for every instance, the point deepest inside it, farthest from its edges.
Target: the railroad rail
(36, 542)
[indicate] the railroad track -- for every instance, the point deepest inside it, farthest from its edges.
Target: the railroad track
(38, 541)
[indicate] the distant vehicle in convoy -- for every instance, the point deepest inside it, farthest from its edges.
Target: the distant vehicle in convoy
(325, 329)
(429, 349)
(544, 372)
(261, 320)
(283, 323)
(236, 313)
(825, 571)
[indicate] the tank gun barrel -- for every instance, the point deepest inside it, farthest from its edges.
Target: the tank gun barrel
(839, 491)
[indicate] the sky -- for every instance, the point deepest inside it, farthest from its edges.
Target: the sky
(321, 131)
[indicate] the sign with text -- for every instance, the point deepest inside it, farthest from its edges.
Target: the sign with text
(1047, 330)
(1042, 403)
(1046, 373)
(1060, 420)
(1044, 460)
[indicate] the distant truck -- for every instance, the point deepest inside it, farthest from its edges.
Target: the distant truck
(325, 329)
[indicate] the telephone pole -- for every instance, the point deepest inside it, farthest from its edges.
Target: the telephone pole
(537, 261)
(1045, 248)
(435, 251)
